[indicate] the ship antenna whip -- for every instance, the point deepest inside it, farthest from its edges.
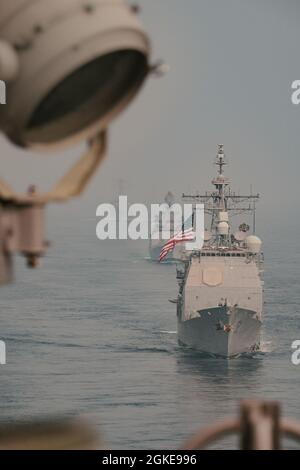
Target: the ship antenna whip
(221, 159)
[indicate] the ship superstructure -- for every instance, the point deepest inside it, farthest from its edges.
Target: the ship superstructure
(220, 300)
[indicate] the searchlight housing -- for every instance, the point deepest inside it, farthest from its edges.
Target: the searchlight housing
(71, 67)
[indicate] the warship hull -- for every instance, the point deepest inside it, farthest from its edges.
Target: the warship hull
(221, 331)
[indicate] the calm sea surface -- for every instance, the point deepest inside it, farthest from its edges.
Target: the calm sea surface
(92, 332)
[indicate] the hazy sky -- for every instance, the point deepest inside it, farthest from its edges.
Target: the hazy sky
(232, 65)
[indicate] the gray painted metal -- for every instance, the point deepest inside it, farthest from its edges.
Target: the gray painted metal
(72, 67)
(221, 331)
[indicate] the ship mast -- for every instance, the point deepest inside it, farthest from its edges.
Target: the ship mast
(220, 160)
(219, 203)
(221, 183)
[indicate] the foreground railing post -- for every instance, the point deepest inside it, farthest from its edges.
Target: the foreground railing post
(260, 425)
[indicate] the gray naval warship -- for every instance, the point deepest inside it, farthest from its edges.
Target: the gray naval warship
(220, 300)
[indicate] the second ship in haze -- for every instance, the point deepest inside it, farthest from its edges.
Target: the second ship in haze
(163, 228)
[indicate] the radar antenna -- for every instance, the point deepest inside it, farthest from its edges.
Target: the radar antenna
(223, 199)
(220, 159)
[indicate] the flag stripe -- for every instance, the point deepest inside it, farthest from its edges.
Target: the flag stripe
(183, 236)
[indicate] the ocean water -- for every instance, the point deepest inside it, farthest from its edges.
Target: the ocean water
(92, 333)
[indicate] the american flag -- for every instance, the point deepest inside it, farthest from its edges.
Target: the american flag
(185, 235)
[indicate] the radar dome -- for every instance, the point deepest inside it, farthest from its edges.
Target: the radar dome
(240, 236)
(207, 236)
(254, 244)
(223, 217)
(223, 228)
